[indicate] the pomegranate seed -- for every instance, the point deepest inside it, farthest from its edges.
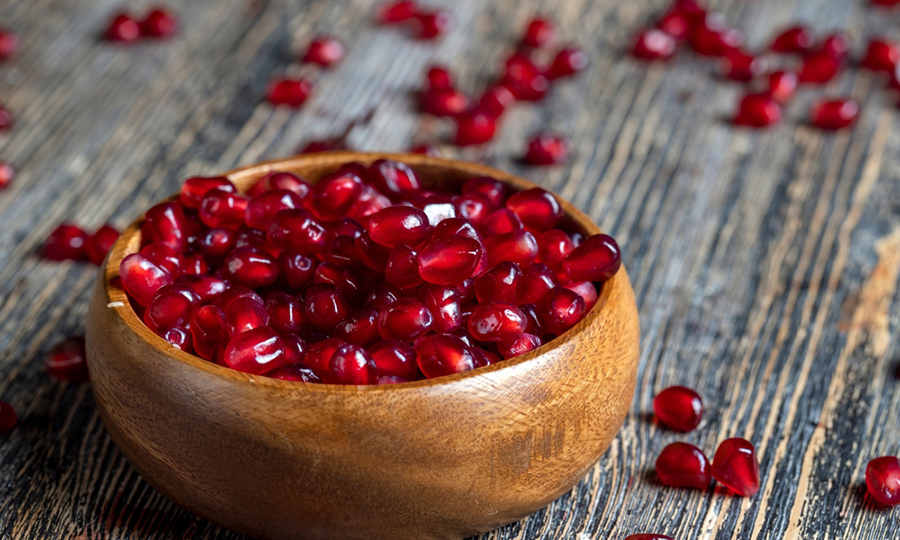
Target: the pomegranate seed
(883, 480)
(587, 291)
(534, 321)
(523, 79)
(261, 210)
(290, 92)
(430, 25)
(374, 255)
(493, 189)
(193, 190)
(675, 24)
(206, 287)
(326, 306)
(395, 12)
(834, 114)
(297, 372)
(818, 68)
(402, 267)
(296, 231)
(757, 110)
(295, 348)
(349, 283)
(426, 149)
(392, 177)
(568, 61)
(122, 28)
(247, 236)
(172, 305)
(342, 252)
(246, 313)
(691, 9)
(280, 180)
(394, 359)
(444, 354)
(597, 259)
(324, 51)
(679, 408)
(255, 351)
(553, 246)
(164, 256)
(67, 361)
(653, 44)
(782, 85)
(346, 227)
(159, 23)
(538, 33)
(8, 417)
(501, 221)
(524, 343)
(474, 207)
(538, 209)
(216, 243)
(645, 536)
(66, 242)
(98, 245)
(351, 364)
(881, 55)
(547, 149)
(837, 46)
(735, 466)
(537, 280)
(234, 293)
(436, 206)
(738, 65)
(450, 260)
(793, 40)
(251, 268)
(405, 319)
(209, 331)
(6, 119)
(714, 37)
(177, 336)
(298, 270)
(318, 358)
(443, 302)
(167, 224)
(286, 314)
(438, 78)
(444, 102)
(7, 174)
(361, 328)
(8, 44)
(562, 309)
(223, 209)
(474, 127)
(332, 197)
(455, 227)
(500, 283)
(496, 321)
(399, 225)
(142, 278)
(495, 100)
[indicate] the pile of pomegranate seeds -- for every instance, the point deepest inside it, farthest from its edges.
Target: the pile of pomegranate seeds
(8, 417)
(365, 277)
(7, 173)
(70, 243)
(423, 24)
(883, 480)
(8, 44)
(158, 23)
(66, 361)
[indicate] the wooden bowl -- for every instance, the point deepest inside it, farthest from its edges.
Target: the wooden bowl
(436, 459)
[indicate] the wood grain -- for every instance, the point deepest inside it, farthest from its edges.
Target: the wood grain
(754, 256)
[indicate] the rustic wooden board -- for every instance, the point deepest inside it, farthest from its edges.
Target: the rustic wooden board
(765, 264)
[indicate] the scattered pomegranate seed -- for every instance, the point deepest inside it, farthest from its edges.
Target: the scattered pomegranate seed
(713, 36)
(7, 174)
(324, 51)
(691, 9)
(679, 408)
(474, 127)
(8, 44)
(834, 114)
(838, 46)
(97, 246)
(426, 149)
(438, 78)
(568, 61)
(495, 100)
(645, 536)
(430, 25)
(547, 149)
(735, 466)
(881, 55)
(782, 85)
(123, 28)
(444, 102)
(675, 24)
(159, 23)
(523, 79)
(538, 33)
(8, 417)
(66, 242)
(796, 39)
(683, 465)
(6, 119)
(290, 92)
(742, 66)
(883, 480)
(653, 44)
(395, 12)
(66, 361)
(757, 110)
(819, 68)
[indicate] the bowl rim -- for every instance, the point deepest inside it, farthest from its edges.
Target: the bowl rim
(117, 299)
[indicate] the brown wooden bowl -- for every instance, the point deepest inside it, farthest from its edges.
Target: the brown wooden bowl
(443, 458)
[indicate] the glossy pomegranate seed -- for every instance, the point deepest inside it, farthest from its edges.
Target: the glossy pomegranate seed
(837, 46)
(534, 321)
(500, 283)
(326, 306)
(247, 236)
(455, 227)
(444, 102)
(675, 24)
(495, 100)
(280, 180)
(444, 354)
(286, 314)
(167, 224)
(714, 36)
(883, 480)
(361, 328)
(501, 221)
(553, 246)
(653, 44)
(66, 242)
(98, 245)
(351, 364)
(297, 269)
(172, 305)
(332, 197)
(586, 290)
(164, 256)
(399, 225)
(8, 44)
(496, 321)
(796, 39)
(538, 33)
(538, 209)
(537, 280)
(430, 25)
(122, 28)
(297, 372)
(691, 9)
(449, 260)
(234, 293)
(261, 210)
(881, 55)
(246, 313)
(437, 207)
(757, 110)
(142, 278)
(374, 255)
(426, 149)
(159, 23)
(67, 361)
(405, 319)
(818, 68)
(782, 85)
(834, 114)
(350, 284)
(402, 267)
(568, 61)
(547, 149)
(524, 343)
(646, 536)
(289, 92)
(6, 119)
(444, 303)
(493, 189)
(179, 337)
(394, 358)
(738, 65)
(679, 408)
(597, 259)
(474, 127)
(7, 174)
(223, 209)
(346, 227)
(474, 207)
(319, 355)
(324, 51)
(562, 309)
(523, 79)
(250, 267)
(519, 247)
(255, 351)
(205, 286)
(394, 12)
(297, 231)
(209, 331)
(216, 243)
(735, 466)
(295, 348)
(393, 178)
(193, 190)
(438, 78)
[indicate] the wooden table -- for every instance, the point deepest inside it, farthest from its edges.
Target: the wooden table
(765, 264)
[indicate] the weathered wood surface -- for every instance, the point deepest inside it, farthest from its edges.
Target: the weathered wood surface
(765, 264)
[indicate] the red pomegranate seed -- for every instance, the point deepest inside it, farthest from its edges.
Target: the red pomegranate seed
(295, 348)
(223, 209)
(289, 92)
(818, 68)
(6, 119)
(319, 355)
(399, 225)
(885, 3)
(496, 321)
(167, 224)
(7, 174)
(691, 9)
(883, 480)
(326, 306)
(493, 189)
(395, 12)
(159, 23)
(553, 246)
(520, 68)
(350, 285)
(67, 361)
(474, 127)
(297, 232)
(216, 243)
(568, 61)
(194, 263)
(449, 260)
(653, 44)
(429, 25)
(796, 39)
(587, 291)
(757, 110)
(209, 331)
(402, 267)
(234, 293)
(538, 33)
(374, 255)
(255, 351)
(280, 180)
(444, 303)
(142, 278)
(519, 247)
(474, 207)
(834, 114)
(287, 314)
(426, 149)
(297, 372)
(714, 36)
(538, 209)
(597, 259)
(351, 364)
(122, 28)
(361, 328)
(646, 536)
(438, 78)
(245, 314)
(738, 65)
(524, 343)
(501, 221)
(332, 197)
(261, 210)
(405, 319)
(531, 88)
(735, 466)
(205, 286)
(8, 44)
(535, 324)
(98, 245)
(164, 256)
(562, 309)
(444, 102)
(393, 178)
(495, 100)
(177, 336)
(250, 267)
(194, 189)
(547, 149)
(297, 269)
(782, 85)
(500, 283)
(881, 55)
(444, 354)
(675, 24)
(324, 51)
(837, 46)
(394, 359)
(172, 305)
(66, 242)
(679, 408)
(537, 280)
(8, 416)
